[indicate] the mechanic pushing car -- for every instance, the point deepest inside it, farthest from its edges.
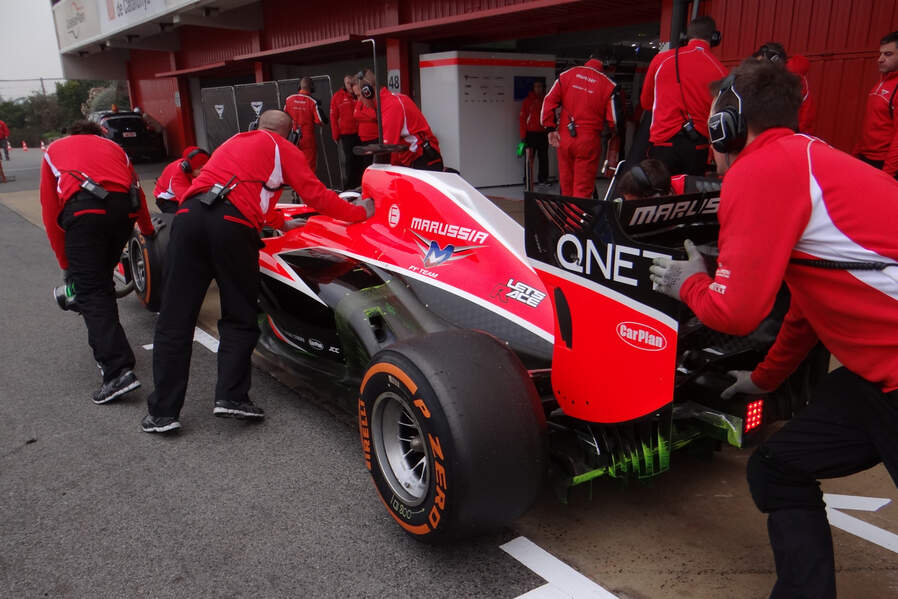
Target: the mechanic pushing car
(215, 235)
(586, 97)
(676, 91)
(90, 197)
(177, 177)
(404, 124)
(304, 110)
(794, 209)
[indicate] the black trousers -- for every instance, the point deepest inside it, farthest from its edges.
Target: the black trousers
(874, 163)
(351, 174)
(167, 206)
(681, 155)
(539, 141)
(4, 145)
(850, 426)
(206, 243)
(429, 163)
(95, 234)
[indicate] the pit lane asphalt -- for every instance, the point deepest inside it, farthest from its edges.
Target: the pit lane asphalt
(90, 506)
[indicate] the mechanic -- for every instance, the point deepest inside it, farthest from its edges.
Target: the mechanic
(177, 177)
(586, 97)
(676, 91)
(532, 131)
(90, 197)
(879, 137)
(4, 139)
(799, 65)
(365, 114)
(650, 178)
(345, 131)
(404, 124)
(215, 235)
(842, 271)
(304, 110)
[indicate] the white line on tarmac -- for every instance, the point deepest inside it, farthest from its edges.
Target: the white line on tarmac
(563, 580)
(855, 526)
(201, 337)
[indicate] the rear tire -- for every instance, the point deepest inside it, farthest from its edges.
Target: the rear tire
(146, 257)
(453, 434)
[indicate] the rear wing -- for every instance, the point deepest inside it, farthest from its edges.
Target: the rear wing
(615, 347)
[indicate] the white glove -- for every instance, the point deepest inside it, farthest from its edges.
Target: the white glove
(368, 205)
(350, 196)
(669, 275)
(743, 384)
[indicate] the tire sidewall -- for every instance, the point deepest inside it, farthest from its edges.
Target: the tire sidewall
(392, 373)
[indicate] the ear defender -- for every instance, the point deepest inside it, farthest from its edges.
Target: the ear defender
(726, 127)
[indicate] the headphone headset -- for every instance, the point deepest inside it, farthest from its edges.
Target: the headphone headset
(365, 88)
(771, 53)
(644, 183)
(185, 164)
(727, 126)
(714, 41)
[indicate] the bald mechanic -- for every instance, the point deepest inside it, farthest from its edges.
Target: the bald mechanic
(90, 198)
(215, 235)
(795, 209)
(585, 95)
(304, 111)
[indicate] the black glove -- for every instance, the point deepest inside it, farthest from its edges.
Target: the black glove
(66, 277)
(152, 235)
(368, 205)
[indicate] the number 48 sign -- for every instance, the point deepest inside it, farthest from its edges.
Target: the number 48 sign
(393, 80)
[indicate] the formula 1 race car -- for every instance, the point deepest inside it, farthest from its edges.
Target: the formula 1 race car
(481, 356)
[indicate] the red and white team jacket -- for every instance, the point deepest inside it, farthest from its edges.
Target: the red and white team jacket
(172, 183)
(342, 121)
(664, 96)
(366, 117)
(404, 123)
(787, 196)
(262, 161)
(66, 163)
(584, 93)
(303, 109)
(879, 136)
(530, 115)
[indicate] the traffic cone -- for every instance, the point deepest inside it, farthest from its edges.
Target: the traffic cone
(43, 147)
(24, 146)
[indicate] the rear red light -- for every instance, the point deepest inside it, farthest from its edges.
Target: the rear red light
(753, 414)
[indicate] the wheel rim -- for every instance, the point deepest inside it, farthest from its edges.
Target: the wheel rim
(400, 448)
(138, 267)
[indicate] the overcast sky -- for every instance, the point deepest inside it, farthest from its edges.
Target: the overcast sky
(28, 48)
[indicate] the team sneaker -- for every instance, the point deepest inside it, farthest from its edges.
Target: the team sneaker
(123, 383)
(234, 409)
(159, 424)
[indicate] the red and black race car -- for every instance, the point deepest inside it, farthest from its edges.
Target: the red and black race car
(482, 356)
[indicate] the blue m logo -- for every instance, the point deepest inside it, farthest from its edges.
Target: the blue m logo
(437, 255)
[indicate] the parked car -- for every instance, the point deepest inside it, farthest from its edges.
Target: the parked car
(139, 137)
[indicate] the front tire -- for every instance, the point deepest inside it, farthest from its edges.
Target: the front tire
(146, 257)
(453, 434)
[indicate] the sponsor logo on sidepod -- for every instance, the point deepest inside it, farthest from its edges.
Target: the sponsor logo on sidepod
(641, 336)
(394, 215)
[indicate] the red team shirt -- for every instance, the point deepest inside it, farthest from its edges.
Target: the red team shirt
(530, 109)
(262, 157)
(303, 109)
(584, 93)
(342, 120)
(69, 158)
(786, 196)
(664, 96)
(404, 124)
(172, 183)
(879, 136)
(366, 117)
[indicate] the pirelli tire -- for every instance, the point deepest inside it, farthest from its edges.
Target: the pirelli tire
(453, 434)
(146, 258)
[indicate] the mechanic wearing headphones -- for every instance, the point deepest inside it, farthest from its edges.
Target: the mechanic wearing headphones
(90, 197)
(345, 131)
(177, 177)
(304, 111)
(799, 65)
(794, 209)
(879, 137)
(404, 124)
(586, 97)
(365, 115)
(650, 178)
(216, 235)
(676, 91)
